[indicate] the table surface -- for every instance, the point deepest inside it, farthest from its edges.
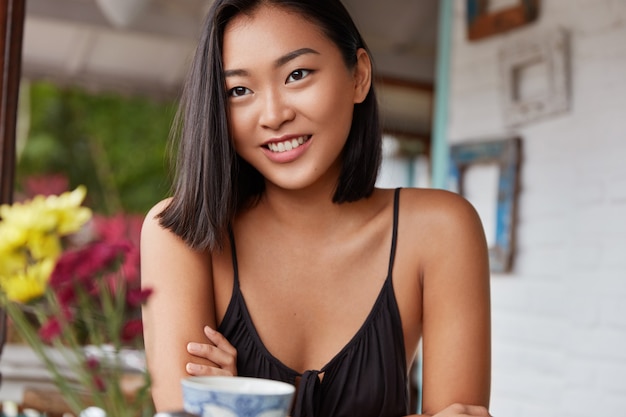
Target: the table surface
(27, 382)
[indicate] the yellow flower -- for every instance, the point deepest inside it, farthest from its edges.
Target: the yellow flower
(30, 283)
(42, 246)
(31, 240)
(70, 216)
(61, 214)
(12, 237)
(13, 252)
(29, 214)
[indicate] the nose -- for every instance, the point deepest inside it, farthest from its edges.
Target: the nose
(276, 110)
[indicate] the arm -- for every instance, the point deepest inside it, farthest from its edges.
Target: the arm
(456, 311)
(178, 310)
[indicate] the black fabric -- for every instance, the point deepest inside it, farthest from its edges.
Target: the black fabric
(367, 378)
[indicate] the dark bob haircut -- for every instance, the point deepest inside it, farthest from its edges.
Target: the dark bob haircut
(212, 183)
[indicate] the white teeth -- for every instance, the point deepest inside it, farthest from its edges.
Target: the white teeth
(287, 145)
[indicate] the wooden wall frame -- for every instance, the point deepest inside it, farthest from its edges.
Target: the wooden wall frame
(481, 23)
(551, 50)
(12, 13)
(507, 155)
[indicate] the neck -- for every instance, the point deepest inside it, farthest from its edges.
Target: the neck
(304, 208)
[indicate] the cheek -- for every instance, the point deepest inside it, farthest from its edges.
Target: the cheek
(330, 104)
(239, 123)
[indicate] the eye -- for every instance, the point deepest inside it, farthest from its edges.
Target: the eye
(239, 91)
(298, 74)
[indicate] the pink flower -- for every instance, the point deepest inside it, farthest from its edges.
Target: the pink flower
(111, 229)
(66, 295)
(82, 264)
(47, 184)
(136, 296)
(132, 329)
(119, 227)
(50, 330)
(122, 228)
(99, 383)
(92, 363)
(102, 255)
(66, 268)
(130, 267)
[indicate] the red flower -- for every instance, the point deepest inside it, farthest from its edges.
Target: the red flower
(47, 184)
(111, 229)
(119, 227)
(122, 228)
(132, 329)
(99, 383)
(103, 255)
(66, 268)
(92, 363)
(66, 295)
(130, 267)
(50, 330)
(82, 264)
(136, 297)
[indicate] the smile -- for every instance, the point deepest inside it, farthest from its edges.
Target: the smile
(287, 145)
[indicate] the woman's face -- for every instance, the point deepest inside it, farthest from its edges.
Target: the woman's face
(291, 96)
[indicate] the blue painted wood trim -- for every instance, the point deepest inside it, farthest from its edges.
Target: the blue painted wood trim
(506, 153)
(440, 153)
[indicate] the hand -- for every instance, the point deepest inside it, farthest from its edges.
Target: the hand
(218, 351)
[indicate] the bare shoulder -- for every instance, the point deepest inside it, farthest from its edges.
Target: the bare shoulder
(162, 250)
(160, 245)
(153, 233)
(151, 221)
(440, 226)
(438, 210)
(441, 201)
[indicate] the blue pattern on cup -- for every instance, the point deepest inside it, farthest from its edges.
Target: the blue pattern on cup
(207, 401)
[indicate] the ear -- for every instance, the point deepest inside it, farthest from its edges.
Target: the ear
(362, 75)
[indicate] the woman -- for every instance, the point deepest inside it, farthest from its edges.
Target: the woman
(277, 257)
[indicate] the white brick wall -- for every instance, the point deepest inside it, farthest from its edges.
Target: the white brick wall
(559, 319)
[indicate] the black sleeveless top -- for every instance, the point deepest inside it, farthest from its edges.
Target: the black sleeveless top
(367, 378)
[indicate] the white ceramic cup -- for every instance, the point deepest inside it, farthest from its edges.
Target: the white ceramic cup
(222, 396)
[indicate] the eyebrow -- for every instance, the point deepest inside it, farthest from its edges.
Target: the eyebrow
(293, 55)
(278, 63)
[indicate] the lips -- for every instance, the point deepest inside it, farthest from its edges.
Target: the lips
(287, 144)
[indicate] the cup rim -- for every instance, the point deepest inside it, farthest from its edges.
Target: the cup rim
(256, 386)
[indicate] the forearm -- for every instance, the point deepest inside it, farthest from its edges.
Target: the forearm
(458, 410)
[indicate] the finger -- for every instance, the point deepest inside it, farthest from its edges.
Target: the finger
(219, 340)
(196, 369)
(214, 354)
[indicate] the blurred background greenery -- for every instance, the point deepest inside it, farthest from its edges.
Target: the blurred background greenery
(114, 145)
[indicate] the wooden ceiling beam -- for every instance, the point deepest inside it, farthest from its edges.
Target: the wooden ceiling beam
(153, 21)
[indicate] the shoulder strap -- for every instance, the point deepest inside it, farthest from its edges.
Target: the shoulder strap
(394, 236)
(233, 252)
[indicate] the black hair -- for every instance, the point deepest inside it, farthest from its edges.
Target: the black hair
(212, 183)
